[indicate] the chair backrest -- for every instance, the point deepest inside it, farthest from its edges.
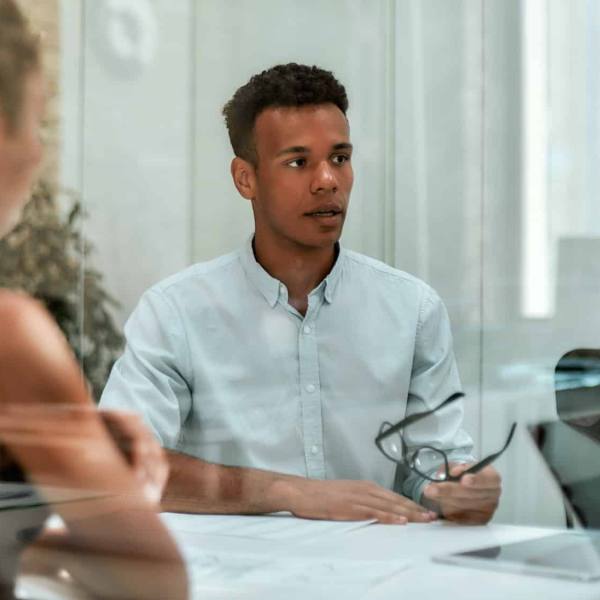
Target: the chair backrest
(575, 460)
(577, 389)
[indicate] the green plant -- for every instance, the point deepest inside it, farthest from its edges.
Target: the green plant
(46, 256)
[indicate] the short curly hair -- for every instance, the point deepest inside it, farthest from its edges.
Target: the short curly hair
(19, 56)
(280, 86)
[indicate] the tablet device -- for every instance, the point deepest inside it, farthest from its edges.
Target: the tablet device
(568, 555)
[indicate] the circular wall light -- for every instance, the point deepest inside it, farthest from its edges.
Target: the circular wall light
(125, 34)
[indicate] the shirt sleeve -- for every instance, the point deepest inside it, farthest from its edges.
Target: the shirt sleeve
(434, 378)
(152, 377)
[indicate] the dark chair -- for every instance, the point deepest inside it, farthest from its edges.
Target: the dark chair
(577, 391)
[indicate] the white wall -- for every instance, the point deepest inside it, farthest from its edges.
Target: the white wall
(236, 40)
(127, 145)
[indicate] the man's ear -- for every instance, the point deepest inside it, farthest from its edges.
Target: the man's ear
(244, 177)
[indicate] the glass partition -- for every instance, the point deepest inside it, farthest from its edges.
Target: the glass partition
(476, 126)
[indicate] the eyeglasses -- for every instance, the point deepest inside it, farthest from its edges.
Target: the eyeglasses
(429, 462)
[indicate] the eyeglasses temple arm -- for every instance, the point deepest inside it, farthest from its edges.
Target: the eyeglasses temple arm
(418, 416)
(492, 457)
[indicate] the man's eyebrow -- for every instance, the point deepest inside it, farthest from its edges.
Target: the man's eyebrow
(294, 150)
(305, 150)
(343, 146)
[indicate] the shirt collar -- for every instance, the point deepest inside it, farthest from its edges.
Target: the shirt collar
(271, 288)
(268, 286)
(332, 280)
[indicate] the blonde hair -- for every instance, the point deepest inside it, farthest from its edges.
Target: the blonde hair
(19, 56)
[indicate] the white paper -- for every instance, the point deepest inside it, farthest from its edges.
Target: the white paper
(277, 570)
(236, 571)
(280, 526)
(247, 557)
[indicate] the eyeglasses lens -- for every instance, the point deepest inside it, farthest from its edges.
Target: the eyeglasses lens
(392, 446)
(430, 462)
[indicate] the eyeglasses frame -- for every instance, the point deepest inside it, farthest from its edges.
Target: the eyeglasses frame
(408, 459)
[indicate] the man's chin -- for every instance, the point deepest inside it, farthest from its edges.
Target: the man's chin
(325, 235)
(323, 241)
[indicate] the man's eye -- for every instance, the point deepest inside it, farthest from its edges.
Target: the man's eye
(297, 162)
(340, 159)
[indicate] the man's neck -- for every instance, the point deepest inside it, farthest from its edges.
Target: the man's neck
(300, 269)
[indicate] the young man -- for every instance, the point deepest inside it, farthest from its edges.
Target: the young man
(268, 372)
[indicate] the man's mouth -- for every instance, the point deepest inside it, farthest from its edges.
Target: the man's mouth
(325, 212)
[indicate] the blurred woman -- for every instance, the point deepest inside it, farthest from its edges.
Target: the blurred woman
(56, 453)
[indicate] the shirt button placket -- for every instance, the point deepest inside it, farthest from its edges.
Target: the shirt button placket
(310, 390)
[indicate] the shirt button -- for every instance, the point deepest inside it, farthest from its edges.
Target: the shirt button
(307, 329)
(314, 449)
(310, 388)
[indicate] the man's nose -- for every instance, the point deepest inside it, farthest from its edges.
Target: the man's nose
(324, 179)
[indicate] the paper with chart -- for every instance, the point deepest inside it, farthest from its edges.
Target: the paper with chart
(243, 555)
(280, 526)
(245, 568)
(230, 571)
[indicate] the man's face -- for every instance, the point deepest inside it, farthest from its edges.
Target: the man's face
(304, 175)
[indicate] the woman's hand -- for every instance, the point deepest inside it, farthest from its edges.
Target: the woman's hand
(143, 453)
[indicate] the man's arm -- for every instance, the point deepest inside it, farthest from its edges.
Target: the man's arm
(153, 377)
(196, 486)
(435, 377)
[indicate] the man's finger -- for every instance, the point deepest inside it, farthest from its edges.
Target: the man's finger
(471, 517)
(392, 516)
(487, 477)
(382, 516)
(420, 515)
(395, 498)
(468, 502)
(457, 469)
(446, 491)
(402, 505)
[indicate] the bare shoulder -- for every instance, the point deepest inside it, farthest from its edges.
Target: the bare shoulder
(21, 315)
(13, 303)
(26, 328)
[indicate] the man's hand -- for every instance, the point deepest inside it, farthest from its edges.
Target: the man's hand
(348, 500)
(144, 454)
(196, 486)
(472, 500)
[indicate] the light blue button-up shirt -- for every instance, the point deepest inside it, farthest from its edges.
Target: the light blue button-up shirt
(222, 367)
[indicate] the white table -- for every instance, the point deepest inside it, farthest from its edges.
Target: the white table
(422, 579)
(426, 579)
(410, 546)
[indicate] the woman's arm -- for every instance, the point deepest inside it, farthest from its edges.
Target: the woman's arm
(51, 428)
